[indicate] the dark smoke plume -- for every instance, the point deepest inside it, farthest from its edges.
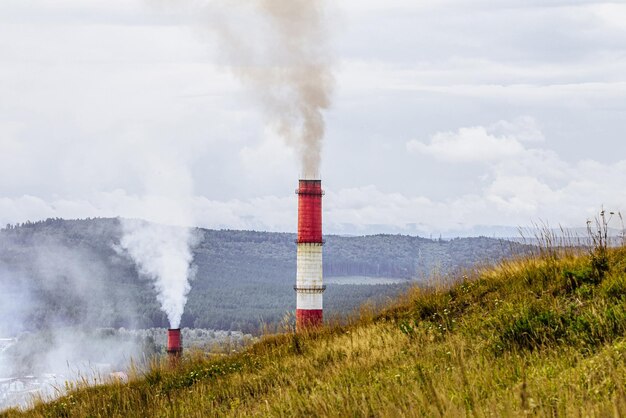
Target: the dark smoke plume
(294, 81)
(280, 50)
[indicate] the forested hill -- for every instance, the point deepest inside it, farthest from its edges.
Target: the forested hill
(72, 272)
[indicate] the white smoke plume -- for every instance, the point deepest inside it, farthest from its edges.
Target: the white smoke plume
(280, 50)
(161, 252)
(164, 254)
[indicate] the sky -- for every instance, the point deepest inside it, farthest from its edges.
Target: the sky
(453, 118)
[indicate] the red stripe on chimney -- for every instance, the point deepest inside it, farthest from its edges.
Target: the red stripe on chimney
(307, 318)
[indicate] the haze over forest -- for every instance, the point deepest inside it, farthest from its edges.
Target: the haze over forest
(74, 272)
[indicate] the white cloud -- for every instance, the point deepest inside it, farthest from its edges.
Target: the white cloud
(523, 129)
(501, 147)
(522, 184)
(473, 144)
(520, 194)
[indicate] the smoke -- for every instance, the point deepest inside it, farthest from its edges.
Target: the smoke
(164, 254)
(280, 51)
(160, 252)
(48, 280)
(46, 363)
(44, 344)
(14, 304)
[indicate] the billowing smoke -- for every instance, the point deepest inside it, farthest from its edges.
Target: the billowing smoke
(280, 50)
(164, 254)
(289, 71)
(162, 248)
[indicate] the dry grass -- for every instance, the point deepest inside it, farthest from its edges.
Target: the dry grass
(536, 336)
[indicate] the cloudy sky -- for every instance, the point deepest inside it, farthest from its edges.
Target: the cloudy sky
(448, 117)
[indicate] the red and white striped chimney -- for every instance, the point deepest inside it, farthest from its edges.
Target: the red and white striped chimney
(309, 281)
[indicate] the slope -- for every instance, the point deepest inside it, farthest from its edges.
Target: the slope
(543, 335)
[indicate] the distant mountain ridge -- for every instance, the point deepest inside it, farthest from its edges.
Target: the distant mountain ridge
(69, 271)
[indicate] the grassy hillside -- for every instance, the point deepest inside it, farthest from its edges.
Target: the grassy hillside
(543, 336)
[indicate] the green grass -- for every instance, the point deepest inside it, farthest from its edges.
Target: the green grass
(539, 336)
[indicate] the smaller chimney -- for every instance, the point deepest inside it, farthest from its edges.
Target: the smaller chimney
(174, 345)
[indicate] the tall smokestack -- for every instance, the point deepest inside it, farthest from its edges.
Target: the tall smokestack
(174, 345)
(309, 280)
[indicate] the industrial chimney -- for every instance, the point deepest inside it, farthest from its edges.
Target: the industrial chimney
(309, 281)
(174, 345)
